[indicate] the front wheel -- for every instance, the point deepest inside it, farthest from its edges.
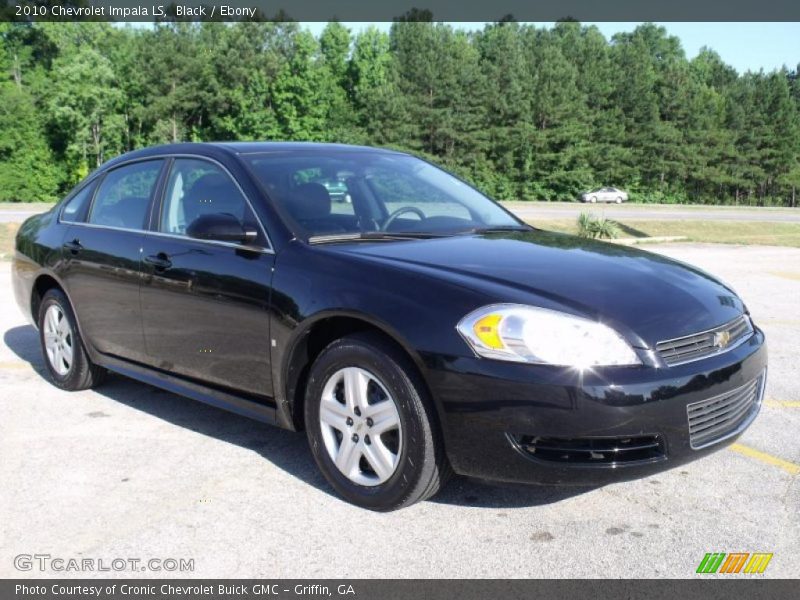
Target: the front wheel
(593, 199)
(371, 427)
(619, 200)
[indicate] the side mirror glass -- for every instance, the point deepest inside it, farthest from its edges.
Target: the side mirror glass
(220, 227)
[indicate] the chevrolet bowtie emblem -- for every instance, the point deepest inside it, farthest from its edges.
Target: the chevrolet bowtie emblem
(722, 338)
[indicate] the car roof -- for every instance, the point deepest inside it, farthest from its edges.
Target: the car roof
(215, 149)
(256, 147)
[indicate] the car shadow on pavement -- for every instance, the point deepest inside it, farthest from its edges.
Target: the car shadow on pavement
(285, 449)
(464, 491)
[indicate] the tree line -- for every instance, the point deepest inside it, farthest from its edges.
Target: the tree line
(523, 112)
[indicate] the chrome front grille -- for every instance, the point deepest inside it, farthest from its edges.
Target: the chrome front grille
(706, 343)
(720, 417)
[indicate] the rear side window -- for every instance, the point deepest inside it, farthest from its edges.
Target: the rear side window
(76, 207)
(124, 195)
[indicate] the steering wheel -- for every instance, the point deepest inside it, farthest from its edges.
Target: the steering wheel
(401, 211)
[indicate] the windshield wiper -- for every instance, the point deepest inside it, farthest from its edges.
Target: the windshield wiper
(409, 235)
(500, 229)
(368, 236)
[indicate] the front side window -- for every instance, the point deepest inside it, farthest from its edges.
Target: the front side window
(196, 188)
(124, 195)
(353, 192)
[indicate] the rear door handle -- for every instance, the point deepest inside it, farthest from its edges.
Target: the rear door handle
(74, 246)
(160, 261)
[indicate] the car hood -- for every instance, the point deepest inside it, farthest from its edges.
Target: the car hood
(647, 297)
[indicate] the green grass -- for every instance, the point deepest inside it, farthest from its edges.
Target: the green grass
(718, 232)
(7, 233)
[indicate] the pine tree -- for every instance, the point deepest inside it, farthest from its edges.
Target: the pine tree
(524, 112)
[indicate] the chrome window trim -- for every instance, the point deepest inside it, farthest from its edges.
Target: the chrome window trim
(259, 249)
(719, 351)
(269, 249)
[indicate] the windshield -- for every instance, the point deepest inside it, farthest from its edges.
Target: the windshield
(350, 193)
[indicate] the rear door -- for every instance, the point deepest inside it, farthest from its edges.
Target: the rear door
(205, 303)
(102, 259)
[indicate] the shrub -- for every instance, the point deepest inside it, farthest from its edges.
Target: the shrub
(593, 227)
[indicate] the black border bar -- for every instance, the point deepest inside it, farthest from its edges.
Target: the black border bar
(701, 587)
(439, 10)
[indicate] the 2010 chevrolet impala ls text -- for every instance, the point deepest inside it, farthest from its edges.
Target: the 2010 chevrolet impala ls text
(415, 330)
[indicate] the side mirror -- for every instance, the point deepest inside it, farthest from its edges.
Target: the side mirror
(220, 227)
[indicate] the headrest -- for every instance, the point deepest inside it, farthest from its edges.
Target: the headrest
(212, 193)
(310, 201)
(211, 185)
(128, 212)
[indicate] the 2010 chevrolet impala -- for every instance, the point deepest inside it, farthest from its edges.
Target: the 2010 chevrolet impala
(416, 329)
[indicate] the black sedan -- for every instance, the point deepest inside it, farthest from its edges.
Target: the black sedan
(417, 330)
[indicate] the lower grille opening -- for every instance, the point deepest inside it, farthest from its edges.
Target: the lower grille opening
(718, 418)
(608, 451)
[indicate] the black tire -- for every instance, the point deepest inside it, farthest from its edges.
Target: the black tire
(422, 467)
(82, 373)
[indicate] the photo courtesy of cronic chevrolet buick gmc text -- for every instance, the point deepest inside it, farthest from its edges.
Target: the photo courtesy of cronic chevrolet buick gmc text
(414, 330)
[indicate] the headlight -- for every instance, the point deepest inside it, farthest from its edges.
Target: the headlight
(521, 333)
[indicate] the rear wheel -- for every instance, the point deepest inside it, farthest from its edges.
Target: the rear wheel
(370, 425)
(62, 347)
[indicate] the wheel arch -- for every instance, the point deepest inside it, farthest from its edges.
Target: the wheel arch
(311, 338)
(44, 281)
(47, 280)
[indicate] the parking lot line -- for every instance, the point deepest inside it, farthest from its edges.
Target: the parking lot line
(782, 403)
(14, 364)
(771, 321)
(786, 275)
(749, 452)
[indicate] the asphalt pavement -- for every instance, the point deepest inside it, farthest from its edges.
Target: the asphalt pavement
(17, 216)
(131, 471)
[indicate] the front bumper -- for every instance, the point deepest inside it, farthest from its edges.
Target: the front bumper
(492, 410)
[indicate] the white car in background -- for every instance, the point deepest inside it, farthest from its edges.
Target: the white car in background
(605, 194)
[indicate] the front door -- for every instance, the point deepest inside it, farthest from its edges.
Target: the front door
(205, 304)
(102, 270)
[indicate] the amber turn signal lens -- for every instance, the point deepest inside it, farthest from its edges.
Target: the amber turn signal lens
(487, 330)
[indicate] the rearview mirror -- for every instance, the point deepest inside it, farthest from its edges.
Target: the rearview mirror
(220, 227)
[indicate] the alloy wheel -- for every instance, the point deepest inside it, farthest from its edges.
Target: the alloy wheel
(58, 340)
(360, 426)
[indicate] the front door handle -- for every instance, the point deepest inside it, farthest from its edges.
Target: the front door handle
(74, 246)
(160, 261)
